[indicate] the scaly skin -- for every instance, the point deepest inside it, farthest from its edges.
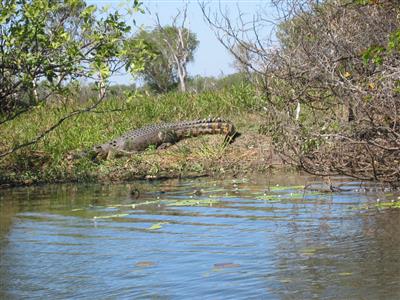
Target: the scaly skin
(162, 135)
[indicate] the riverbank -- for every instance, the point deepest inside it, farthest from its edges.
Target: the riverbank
(46, 162)
(201, 156)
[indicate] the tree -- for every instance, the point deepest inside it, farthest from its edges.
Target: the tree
(158, 71)
(340, 61)
(180, 43)
(168, 50)
(54, 43)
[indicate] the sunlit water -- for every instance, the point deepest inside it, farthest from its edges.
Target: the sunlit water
(262, 238)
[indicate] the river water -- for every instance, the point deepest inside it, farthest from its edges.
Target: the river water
(248, 238)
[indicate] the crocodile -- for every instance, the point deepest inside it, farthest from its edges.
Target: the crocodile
(161, 136)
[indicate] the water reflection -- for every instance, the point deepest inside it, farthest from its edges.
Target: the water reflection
(253, 238)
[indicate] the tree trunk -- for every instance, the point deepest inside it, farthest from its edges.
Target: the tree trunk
(182, 73)
(101, 87)
(34, 91)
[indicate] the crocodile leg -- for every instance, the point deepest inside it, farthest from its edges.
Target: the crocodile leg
(165, 145)
(167, 138)
(115, 153)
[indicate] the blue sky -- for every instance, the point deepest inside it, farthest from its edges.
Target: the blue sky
(211, 58)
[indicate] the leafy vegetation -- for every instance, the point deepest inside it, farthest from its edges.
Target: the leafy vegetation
(156, 51)
(327, 89)
(46, 160)
(53, 44)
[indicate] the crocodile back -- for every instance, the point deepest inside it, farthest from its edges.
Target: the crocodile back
(185, 128)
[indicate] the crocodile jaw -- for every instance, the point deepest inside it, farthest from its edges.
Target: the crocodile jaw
(101, 151)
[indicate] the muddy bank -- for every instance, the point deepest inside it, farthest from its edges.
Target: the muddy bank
(202, 156)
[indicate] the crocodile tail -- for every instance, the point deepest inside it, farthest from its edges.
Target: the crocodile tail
(206, 126)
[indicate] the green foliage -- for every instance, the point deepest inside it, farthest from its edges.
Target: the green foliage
(366, 2)
(53, 43)
(394, 41)
(376, 54)
(388, 205)
(46, 160)
(201, 84)
(373, 54)
(153, 59)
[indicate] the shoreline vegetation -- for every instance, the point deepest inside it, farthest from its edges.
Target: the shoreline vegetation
(46, 161)
(322, 96)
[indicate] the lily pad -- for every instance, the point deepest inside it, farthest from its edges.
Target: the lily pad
(308, 251)
(284, 188)
(394, 204)
(147, 203)
(111, 216)
(193, 202)
(157, 226)
(77, 209)
(271, 198)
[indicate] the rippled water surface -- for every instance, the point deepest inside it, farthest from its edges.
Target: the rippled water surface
(263, 238)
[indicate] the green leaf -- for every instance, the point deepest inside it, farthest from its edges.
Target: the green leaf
(157, 226)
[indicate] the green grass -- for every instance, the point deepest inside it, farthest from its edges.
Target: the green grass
(45, 161)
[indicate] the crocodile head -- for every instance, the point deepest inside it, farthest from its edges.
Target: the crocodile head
(73, 155)
(96, 153)
(100, 151)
